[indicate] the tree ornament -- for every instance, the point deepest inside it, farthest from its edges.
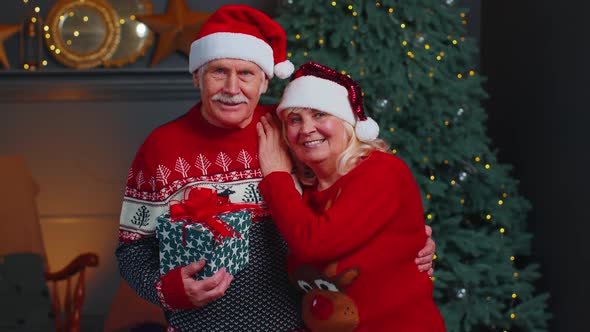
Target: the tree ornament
(459, 114)
(460, 293)
(420, 38)
(287, 3)
(381, 105)
(462, 176)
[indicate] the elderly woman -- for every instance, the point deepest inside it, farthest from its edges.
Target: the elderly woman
(354, 233)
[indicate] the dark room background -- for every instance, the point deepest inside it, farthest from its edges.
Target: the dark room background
(535, 55)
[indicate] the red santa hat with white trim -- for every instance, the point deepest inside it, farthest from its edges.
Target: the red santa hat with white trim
(321, 88)
(242, 32)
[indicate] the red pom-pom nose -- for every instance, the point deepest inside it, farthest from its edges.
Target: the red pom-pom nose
(321, 307)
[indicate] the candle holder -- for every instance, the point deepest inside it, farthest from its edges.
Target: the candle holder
(30, 41)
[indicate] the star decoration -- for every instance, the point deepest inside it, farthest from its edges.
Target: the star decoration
(6, 31)
(167, 247)
(176, 29)
(199, 242)
(165, 234)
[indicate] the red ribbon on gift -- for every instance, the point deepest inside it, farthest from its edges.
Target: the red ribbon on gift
(202, 206)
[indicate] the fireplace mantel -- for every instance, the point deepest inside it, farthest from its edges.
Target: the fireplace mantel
(96, 85)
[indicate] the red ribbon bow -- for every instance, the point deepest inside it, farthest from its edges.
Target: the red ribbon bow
(202, 206)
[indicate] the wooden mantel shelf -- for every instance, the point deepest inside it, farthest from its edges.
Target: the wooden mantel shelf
(96, 85)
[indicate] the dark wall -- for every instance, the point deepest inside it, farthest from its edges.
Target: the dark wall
(535, 55)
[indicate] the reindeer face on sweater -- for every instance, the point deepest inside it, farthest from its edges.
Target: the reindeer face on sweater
(325, 306)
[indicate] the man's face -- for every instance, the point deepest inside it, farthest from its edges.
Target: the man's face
(230, 91)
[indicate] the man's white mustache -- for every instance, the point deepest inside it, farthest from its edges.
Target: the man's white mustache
(235, 99)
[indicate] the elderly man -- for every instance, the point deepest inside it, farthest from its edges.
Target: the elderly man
(214, 145)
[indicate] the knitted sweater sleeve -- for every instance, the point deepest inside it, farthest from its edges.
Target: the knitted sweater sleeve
(138, 250)
(139, 265)
(367, 202)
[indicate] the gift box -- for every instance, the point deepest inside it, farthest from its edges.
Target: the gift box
(205, 226)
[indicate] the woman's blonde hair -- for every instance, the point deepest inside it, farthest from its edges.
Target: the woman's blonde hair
(354, 153)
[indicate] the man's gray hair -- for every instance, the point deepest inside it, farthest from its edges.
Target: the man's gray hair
(201, 73)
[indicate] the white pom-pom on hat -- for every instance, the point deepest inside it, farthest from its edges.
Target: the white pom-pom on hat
(366, 130)
(284, 69)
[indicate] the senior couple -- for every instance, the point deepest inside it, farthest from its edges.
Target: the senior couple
(340, 243)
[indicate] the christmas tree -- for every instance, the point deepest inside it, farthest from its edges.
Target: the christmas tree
(415, 64)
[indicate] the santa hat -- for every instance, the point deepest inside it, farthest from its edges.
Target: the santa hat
(324, 89)
(242, 32)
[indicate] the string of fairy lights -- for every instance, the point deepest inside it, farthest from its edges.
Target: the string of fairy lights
(487, 217)
(403, 25)
(439, 56)
(141, 30)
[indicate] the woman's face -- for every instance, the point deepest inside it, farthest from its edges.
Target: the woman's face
(316, 138)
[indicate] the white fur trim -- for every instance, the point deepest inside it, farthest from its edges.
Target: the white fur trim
(228, 45)
(284, 69)
(320, 94)
(367, 130)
